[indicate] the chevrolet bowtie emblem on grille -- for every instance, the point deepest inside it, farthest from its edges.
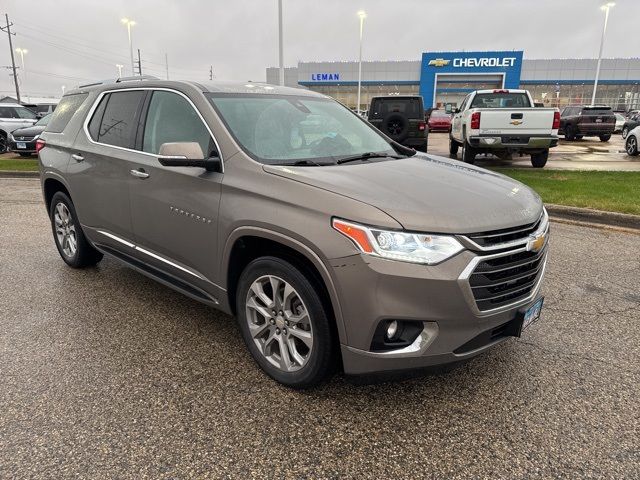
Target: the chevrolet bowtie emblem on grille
(439, 62)
(535, 244)
(516, 122)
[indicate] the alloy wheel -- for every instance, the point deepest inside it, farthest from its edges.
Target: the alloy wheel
(65, 230)
(632, 145)
(279, 323)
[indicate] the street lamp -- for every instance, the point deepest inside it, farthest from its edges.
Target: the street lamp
(606, 7)
(119, 67)
(362, 14)
(280, 47)
(23, 52)
(130, 23)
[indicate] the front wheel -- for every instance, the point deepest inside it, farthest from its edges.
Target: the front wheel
(73, 246)
(539, 160)
(605, 138)
(284, 323)
(631, 146)
(453, 146)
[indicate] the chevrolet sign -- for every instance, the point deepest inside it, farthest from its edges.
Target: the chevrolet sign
(484, 62)
(439, 62)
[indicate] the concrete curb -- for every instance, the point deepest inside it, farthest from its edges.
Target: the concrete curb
(17, 173)
(594, 217)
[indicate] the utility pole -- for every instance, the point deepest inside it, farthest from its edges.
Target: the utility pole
(139, 64)
(280, 47)
(7, 29)
(210, 72)
(166, 64)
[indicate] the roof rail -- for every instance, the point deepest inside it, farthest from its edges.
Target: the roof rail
(120, 79)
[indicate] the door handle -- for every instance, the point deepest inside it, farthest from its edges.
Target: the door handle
(139, 173)
(77, 157)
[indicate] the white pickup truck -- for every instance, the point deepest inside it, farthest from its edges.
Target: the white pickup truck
(503, 122)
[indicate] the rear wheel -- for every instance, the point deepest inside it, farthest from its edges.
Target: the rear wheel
(625, 132)
(3, 143)
(539, 160)
(605, 138)
(72, 245)
(468, 153)
(453, 146)
(631, 146)
(569, 133)
(284, 323)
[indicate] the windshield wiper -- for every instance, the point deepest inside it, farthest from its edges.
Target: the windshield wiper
(305, 162)
(366, 156)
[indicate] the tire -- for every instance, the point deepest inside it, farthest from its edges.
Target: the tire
(569, 133)
(539, 160)
(264, 332)
(67, 232)
(468, 153)
(396, 126)
(625, 132)
(631, 146)
(579, 137)
(605, 138)
(3, 143)
(453, 146)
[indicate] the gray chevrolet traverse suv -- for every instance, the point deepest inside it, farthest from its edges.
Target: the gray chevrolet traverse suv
(333, 245)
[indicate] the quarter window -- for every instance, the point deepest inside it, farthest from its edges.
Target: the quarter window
(171, 118)
(117, 119)
(65, 110)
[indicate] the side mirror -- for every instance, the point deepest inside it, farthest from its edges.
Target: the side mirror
(188, 154)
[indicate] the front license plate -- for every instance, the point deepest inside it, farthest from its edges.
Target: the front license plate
(21, 145)
(598, 120)
(532, 313)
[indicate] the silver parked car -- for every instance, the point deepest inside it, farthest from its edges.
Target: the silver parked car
(332, 244)
(12, 117)
(632, 142)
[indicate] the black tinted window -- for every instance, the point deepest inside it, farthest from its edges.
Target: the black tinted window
(96, 119)
(16, 112)
(501, 100)
(65, 110)
(597, 111)
(118, 126)
(410, 107)
(171, 118)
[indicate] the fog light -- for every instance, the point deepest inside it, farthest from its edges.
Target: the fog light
(392, 329)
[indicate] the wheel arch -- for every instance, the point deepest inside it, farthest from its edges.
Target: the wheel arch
(248, 243)
(50, 186)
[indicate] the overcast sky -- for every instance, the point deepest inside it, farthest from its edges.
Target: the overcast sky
(75, 41)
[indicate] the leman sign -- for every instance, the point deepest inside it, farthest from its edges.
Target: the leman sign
(325, 77)
(484, 62)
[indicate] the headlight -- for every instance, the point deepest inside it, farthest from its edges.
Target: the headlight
(403, 246)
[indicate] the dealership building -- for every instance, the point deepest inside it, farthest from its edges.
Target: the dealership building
(444, 78)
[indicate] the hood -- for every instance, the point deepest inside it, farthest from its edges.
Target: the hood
(427, 193)
(28, 131)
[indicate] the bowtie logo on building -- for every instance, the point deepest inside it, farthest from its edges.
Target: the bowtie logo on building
(439, 62)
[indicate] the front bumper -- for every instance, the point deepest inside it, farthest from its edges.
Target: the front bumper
(513, 142)
(373, 289)
(30, 146)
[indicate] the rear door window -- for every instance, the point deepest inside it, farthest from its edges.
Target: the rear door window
(119, 120)
(409, 107)
(596, 111)
(65, 110)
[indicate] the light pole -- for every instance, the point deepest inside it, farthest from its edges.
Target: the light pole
(22, 52)
(280, 46)
(119, 67)
(362, 14)
(606, 7)
(130, 23)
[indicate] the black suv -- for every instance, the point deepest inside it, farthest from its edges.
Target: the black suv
(401, 118)
(587, 121)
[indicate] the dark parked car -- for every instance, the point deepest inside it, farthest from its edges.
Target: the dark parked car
(23, 140)
(632, 122)
(439, 120)
(587, 121)
(401, 118)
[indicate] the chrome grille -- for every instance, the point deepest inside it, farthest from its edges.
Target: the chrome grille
(506, 279)
(494, 237)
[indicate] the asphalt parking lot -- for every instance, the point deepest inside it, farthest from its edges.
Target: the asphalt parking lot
(589, 153)
(107, 374)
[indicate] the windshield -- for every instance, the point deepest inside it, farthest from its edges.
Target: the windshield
(501, 100)
(279, 129)
(43, 121)
(16, 112)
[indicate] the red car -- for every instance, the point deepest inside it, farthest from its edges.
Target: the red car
(439, 120)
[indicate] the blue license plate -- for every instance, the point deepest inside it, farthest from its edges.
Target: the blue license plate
(532, 313)
(21, 145)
